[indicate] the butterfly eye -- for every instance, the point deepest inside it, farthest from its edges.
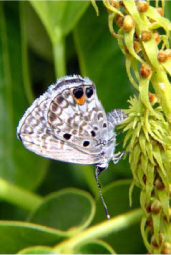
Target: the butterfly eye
(89, 92)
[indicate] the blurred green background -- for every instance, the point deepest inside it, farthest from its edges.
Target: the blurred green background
(39, 42)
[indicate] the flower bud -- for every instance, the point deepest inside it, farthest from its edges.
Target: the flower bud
(145, 36)
(166, 248)
(156, 207)
(142, 6)
(128, 23)
(162, 56)
(145, 70)
(152, 98)
(160, 11)
(159, 184)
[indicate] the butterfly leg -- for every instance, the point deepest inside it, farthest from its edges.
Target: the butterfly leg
(118, 156)
(97, 172)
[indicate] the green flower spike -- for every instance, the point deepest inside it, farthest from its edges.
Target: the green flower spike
(148, 140)
(147, 127)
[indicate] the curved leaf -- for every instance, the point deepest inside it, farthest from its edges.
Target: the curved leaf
(37, 250)
(94, 247)
(19, 235)
(67, 210)
(17, 165)
(62, 15)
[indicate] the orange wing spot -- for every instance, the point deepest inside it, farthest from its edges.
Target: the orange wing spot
(81, 100)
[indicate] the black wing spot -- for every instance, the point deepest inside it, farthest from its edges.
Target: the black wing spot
(67, 136)
(93, 134)
(86, 143)
(89, 92)
(78, 93)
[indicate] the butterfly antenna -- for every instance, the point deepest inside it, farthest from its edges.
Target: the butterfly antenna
(100, 192)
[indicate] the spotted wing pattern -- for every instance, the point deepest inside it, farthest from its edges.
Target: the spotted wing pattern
(57, 127)
(82, 125)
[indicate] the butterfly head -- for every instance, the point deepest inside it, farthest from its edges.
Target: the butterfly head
(102, 166)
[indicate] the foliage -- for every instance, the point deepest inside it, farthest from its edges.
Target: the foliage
(40, 41)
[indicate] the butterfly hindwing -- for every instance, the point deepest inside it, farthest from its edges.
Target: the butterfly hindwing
(78, 124)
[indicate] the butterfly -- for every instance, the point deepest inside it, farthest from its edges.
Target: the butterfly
(68, 123)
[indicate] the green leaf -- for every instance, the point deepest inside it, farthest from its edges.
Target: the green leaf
(59, 18)
(94, 247)
(68, 210)
(19, 235)
(37, 36)
(61, 15)
(37, 250)
(103, 229)
(17, 165)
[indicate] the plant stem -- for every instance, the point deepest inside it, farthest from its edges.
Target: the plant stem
(18, 196)
(58, 43)
(100, 230)
(162, 87)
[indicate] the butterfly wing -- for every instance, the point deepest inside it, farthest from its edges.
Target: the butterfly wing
(39, 138)
(83, 125)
